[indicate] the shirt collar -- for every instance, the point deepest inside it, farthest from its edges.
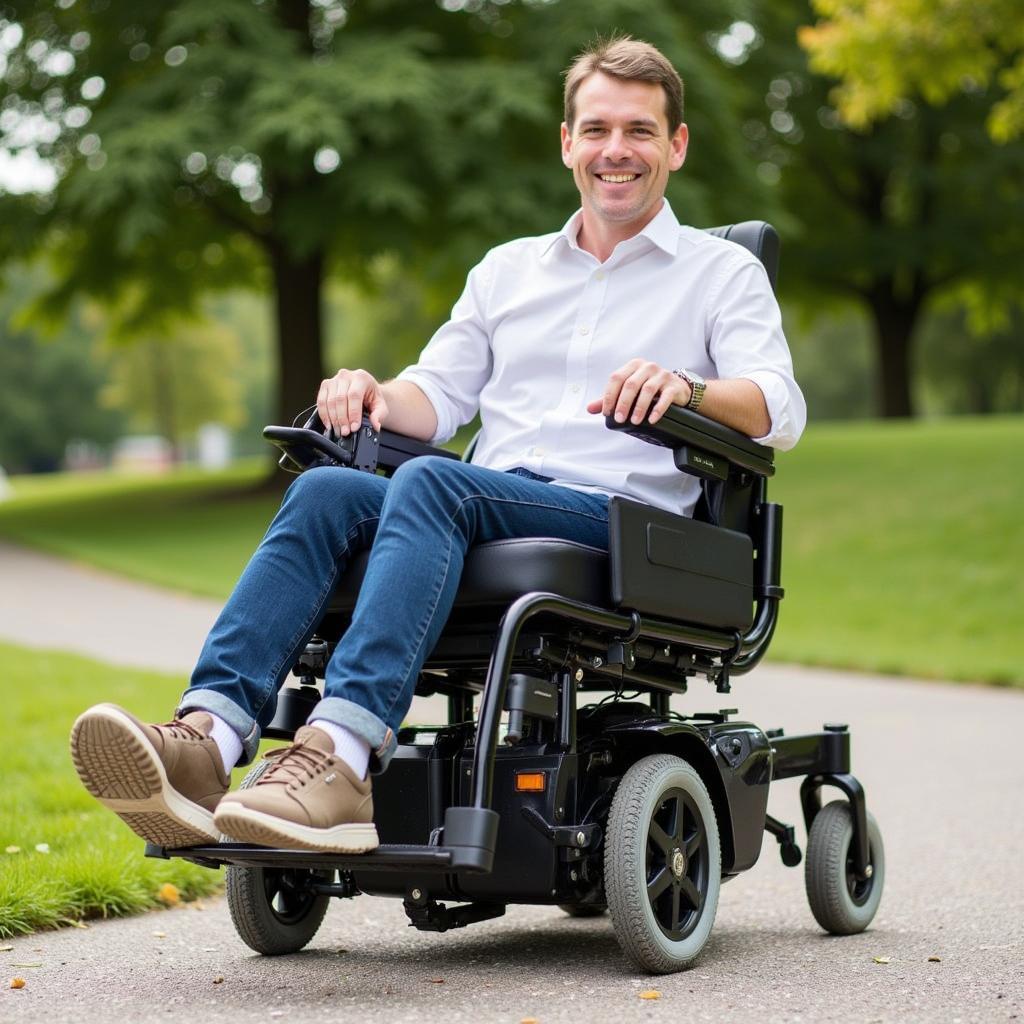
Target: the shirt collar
(662, 230)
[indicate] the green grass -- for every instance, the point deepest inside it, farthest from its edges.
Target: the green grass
(904, 549)
(95, 866)
(904, 542)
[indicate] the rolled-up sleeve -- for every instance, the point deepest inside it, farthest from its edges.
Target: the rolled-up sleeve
(456, 363)
(746, 341)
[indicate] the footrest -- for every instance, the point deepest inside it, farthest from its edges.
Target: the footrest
(421, 859)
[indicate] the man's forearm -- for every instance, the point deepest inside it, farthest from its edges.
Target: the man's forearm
(409, 410)
(739, 404)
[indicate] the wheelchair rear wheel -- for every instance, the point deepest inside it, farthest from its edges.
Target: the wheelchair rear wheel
(275, 910)
(662, 864)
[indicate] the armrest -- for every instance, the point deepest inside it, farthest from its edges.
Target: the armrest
(701, 446)
(367, 449)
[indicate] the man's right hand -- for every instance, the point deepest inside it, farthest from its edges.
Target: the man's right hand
(342, 398)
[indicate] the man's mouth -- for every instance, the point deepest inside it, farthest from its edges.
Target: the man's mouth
(618, 179)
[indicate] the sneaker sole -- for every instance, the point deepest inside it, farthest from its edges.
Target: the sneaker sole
(244, 825)
(119, 767)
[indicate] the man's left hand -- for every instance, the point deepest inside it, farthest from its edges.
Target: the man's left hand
(635, 386)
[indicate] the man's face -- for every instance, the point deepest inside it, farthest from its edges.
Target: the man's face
(620, 150)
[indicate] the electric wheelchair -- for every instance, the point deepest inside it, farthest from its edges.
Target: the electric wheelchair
(619, 804)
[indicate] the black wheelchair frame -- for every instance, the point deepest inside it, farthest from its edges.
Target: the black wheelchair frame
(538, 813)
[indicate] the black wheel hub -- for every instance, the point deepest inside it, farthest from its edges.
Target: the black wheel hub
(290, 894)
(677, 864)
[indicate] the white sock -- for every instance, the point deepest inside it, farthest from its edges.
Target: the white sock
(229, 743)
(352, 749)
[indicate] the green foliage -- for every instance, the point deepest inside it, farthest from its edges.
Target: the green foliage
(175, 385)
(49, 388)
(921, 206)
(888, 53)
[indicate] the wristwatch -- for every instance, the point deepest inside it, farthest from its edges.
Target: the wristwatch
(697, 387)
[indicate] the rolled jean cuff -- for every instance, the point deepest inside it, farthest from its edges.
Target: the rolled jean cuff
(225, 708)
(364, 724)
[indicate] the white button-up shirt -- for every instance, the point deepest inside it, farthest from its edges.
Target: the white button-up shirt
(542, 325)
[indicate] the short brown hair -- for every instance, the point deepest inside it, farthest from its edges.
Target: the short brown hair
(629, 59)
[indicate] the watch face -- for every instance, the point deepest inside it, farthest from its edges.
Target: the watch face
(695, 378)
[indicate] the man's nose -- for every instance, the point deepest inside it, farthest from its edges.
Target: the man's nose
(617, 146)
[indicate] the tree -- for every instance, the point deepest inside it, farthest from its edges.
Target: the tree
(207, 143)
(886, 54)
(919, 205)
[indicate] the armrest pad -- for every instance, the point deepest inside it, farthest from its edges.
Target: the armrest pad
(682, 428)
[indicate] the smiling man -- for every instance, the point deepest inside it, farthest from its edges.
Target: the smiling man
(625, 312)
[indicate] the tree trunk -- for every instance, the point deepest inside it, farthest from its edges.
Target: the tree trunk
(298, 284)
(894, 320)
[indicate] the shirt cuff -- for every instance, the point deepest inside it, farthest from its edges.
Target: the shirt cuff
(446, 425)
(783, 433)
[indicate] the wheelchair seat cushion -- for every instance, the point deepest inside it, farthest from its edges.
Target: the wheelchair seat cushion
(500, 571)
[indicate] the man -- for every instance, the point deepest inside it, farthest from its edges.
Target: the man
(623, 305)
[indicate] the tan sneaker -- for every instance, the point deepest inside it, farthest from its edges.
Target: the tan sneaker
(163, 781)
(307, 799)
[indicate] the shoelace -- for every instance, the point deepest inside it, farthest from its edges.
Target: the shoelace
(180, 730)
(296, 763)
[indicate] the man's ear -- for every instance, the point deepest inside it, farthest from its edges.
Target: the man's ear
(566, 145)
(677, 147)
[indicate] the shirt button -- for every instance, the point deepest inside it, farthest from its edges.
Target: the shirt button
(584, 329)
(575, 388)
(600, 275)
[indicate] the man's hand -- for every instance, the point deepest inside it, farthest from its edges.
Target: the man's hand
(343, 397)
(634, 386)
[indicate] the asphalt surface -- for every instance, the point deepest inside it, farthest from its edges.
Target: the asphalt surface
(944, 776)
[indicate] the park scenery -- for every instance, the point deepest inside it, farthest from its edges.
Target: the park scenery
(206, 206)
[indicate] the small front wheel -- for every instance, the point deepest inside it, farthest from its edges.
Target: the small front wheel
(663, 864)
(275, 910)
(842, 903)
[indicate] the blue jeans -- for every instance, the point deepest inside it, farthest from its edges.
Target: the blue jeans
(418, 525)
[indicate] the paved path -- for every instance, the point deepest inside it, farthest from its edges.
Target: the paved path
(943, 775)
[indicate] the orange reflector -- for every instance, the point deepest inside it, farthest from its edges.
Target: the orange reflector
(530, 782)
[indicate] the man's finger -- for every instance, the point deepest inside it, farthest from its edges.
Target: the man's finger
(630, 387)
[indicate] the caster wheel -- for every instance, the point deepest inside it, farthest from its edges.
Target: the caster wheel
(662, 864)
(588, 910)
(274, 910)
(841, 903)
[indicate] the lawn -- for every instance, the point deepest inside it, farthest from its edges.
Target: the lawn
(903, 543)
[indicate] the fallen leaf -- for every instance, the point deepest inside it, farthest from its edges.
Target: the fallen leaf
(277, 1013)
(12, 849)
(34, 963)
(650, 994)
(219, 979)
(159, 935)
(529, 1020)
(168, 893)
(436, 981)
(6, 949)
(42, 847)
(882, 959)
(209, 949)
(935, 959)
(17, 982)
